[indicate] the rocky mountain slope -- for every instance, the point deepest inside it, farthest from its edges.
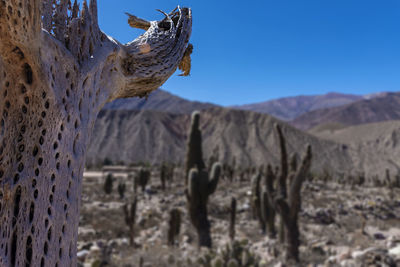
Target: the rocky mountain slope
(375, 147)
(377, 109)
(249, 137)
(158, 100)
(288, 108)
(126, 136)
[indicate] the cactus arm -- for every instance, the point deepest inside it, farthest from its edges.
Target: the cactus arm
(269, 181)
(187, 195)
(284, 210)
(193, 183)
(194, 153)
(293, 162)
(295, 188)
(57, 79)
(284, 161)
(214, 177)
(124, 70)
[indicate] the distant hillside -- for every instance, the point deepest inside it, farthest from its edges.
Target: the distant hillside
(133, 136)
(289, 108)
(377, 109)
(368, 132)
(375, 147)
(158, 100)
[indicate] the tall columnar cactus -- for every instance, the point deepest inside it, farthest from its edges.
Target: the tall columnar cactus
(214, 158)
(121, 189)
(286, 198)
(130, 218)
(163, 175)
(256, 200)
(268, 211)
(142, 178)
(57, 70)
(174, 225)
(200, 187)
(194, 152)
(232, 220)
(293, 164)
(108, 184)
(132, 177)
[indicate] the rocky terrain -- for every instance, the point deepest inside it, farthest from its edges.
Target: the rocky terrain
(125, 137)
(373, 146)
(149, 136)
(349, 214)
(340, 225)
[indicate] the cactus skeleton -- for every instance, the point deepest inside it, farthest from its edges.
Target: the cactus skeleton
(58, 69)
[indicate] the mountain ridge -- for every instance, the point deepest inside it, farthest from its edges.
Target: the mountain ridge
(249, 137)
(289, 108)
(383, 108)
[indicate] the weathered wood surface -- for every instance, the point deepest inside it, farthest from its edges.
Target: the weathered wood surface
(57, 69)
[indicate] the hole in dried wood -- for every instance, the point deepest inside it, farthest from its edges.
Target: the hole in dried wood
(28, 73)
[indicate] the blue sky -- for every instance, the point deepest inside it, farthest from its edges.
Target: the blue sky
(252, 51)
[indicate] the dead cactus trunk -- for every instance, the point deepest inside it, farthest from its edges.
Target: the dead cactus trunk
(57, 70)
